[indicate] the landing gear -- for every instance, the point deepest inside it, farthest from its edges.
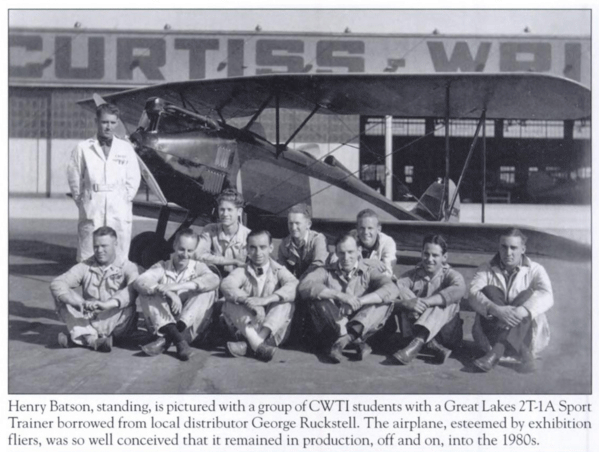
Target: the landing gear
(148, 248)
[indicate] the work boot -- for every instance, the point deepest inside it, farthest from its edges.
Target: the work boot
(265, 352)
(183, 350)
(237, 349)
(440, 352)
(487, 362)
(103, 344)
(156, 347)
(406, 355)
(363, 350)
(336, 352)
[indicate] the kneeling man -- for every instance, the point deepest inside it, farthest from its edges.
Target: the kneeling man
(259, 300)
(349, 299)
(429, 299)
(106, 306)
(177, 297)
(511, 294)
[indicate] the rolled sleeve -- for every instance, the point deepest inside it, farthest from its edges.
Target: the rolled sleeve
(232, 286)
(149, 278)
(127, 295)
(454, 288)
(63, 286)
(383, 286)
(206, 279)
(313, 284)
(288, 285)
(478, 301)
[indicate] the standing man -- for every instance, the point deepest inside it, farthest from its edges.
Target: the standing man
(106, 306)
(429, 299)
(104, 176)
(348, 300)
(177, 297)
(511, 294)
(259, 300)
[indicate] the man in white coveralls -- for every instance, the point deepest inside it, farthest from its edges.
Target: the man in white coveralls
(104, 176)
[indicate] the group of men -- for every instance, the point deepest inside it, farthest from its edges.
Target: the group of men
(328, 301)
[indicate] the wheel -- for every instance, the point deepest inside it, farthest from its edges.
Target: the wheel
(148, 248)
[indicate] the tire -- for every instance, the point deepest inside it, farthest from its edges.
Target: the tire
(148, 248)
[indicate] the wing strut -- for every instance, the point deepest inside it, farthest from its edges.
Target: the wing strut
(259, 112)
(445, 201)
(481, 122)
(301, 126)
(484, 163)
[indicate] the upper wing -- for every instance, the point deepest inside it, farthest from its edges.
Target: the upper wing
(506, 95)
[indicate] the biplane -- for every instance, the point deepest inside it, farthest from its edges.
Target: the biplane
(189, 150)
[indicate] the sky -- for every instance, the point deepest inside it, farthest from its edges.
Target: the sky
(540, 22)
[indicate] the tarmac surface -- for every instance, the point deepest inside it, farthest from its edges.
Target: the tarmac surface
(40, 249)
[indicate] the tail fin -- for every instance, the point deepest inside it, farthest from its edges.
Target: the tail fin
(431, 204)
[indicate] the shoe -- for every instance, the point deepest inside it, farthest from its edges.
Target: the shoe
(183, 350)
(64, 340)
(487, 362)
(265, 352)
(363, 350)
(336, 352)
(407, 354)
(527, 364)
(237, 349)
(440, 352)
(103, 344)
(156, 347)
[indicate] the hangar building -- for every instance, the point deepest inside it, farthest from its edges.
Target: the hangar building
(50, 69)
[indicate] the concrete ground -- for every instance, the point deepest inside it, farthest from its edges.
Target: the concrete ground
(40, 249)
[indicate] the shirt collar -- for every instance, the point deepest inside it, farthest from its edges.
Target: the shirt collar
(223, 237)
(375, 246)
(424, 274)
(303, 241)
(118, 263)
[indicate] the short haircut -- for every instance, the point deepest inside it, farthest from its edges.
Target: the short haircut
(302, 208)
(435, 239)
(232, 196)
(367, 213)
(104, 230)
(187, 232)
(344, 238)
(514, 232)
(109, 109)
(260, 232)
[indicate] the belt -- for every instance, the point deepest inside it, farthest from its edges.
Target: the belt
(105, 187)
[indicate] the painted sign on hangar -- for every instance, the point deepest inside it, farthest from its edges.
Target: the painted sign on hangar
(107, 58)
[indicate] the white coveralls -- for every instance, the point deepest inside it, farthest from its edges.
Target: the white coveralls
(103, 189)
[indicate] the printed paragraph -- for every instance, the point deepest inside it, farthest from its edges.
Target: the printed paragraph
(306, 423)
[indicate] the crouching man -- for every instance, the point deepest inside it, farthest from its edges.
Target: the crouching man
(177, 297)
(348, 300)
(106, 307)
(429, 300)
(511, 294)
(259, 300)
